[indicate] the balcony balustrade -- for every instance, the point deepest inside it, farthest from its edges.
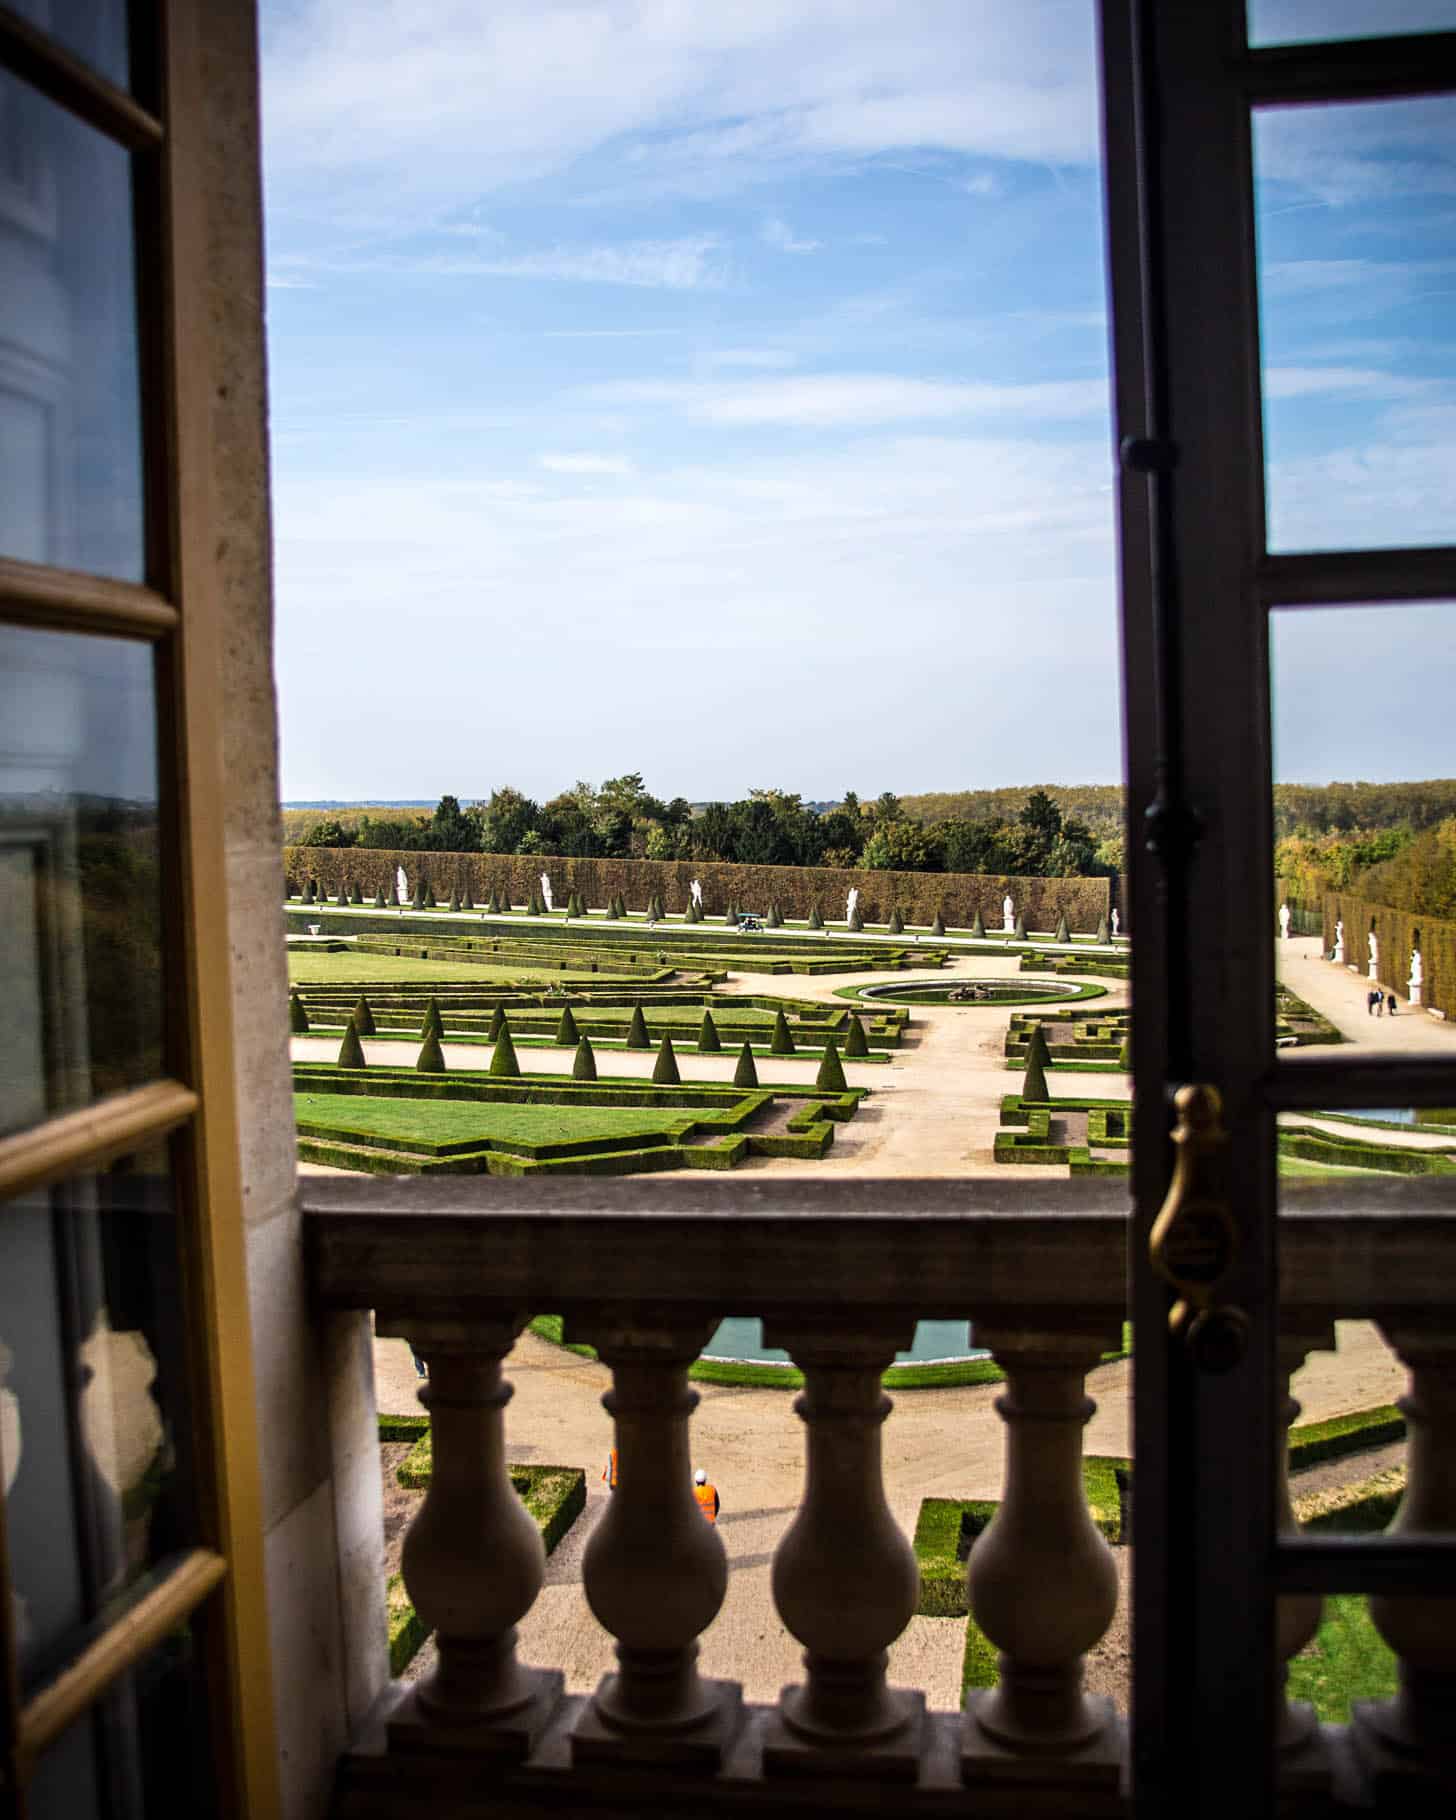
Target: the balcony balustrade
(839, 1274)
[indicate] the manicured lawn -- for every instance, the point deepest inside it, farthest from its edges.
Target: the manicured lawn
(1348, 1660)
(321, 969)
(458, 1121)
(1291, 1166)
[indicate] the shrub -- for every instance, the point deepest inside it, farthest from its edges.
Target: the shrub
(856, 921)
(613, 913)
(343, 898)
(709, 1042)
(433, 1024)
(897, 922)
(566, 1031)
(783, 1039)
(730, 916)
(745, 1074)
(1034, 1085)
(503, 1061)
(1124, 1054)
(466, 901)
(431, 1058)
(938, 926)
(308, 892)
(637, 1037)
(775, 916)
(1019, 932)
(1102, 929)
(978, 925)
(584, 1068)
(430, 902)
(454, 904)
(297, 1016)
(419, 896)
(351, 1050)
(1064, 934)
(492, 905)
(364, 1017)
(381, 902)
(497, 1023)
(356, 896)
(816, 921)
(831, 1073)
(854, 1042)
(664, 1070)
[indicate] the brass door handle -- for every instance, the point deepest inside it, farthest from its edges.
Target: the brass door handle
(1194, 1240)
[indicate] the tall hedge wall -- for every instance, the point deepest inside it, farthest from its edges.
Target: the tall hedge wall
(957, 896)
(1397, 931)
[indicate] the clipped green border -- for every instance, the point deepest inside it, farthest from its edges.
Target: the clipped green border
(1068, 992)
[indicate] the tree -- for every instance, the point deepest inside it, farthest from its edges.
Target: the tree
(887, 807)
(938, 926)
(584, 1068)
(816, 921)
(783, 1040)
(433, 1023)
(1018, 934)
(708, 1039)
(637, 1037)
(351, 1050)
(363, 1017)
(431, 1058)
(855, 1044)
(1064, 934)
(503, 1060)
(978, 926)
(330, 832)
(1034, 1084)
(566, 1031)
(1102, 930)
(664, 1069)
(897, 922)
(775, 920)
(497, 1023)
(508, 818)
(831, 1074)
(899, 846)
(745, 1074)
(454, 900)
(451, 830)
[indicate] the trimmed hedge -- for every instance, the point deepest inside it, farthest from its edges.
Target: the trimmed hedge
(503, 1063)
(745, 1074)
(297, 1016)
(351, 1050)
(431, 1058)
(1397, 932)
(584, 1066)
(664, 1069)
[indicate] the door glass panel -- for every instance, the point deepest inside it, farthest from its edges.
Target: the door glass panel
(94, 1422)
(70, 415)
(1315, 21)
(80, 881)
(141, 1752)
(93, 30)
(1357, 279)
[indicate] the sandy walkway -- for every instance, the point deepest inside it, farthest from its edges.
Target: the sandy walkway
(1340, 996)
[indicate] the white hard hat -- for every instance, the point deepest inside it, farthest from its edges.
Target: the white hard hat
(700, 1477)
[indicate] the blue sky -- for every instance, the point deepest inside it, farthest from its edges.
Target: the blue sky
(721, 393)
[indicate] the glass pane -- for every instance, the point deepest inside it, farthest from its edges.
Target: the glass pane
(70, 414)
(93, 30)
(94, 1439)
(144, 1750)
(1355, 255)
(80, 883)
(1314, 21)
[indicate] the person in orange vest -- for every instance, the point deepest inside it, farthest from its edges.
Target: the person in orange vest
(609, 1471)
(707, 1495)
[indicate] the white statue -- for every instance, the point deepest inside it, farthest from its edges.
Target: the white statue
(850, 903)
(1116, 920)
(1284, 921)
(1008, 914)
(697, 890)
(1339, 954)
(1417, 977)
(1373, 970)
(401, 886)
(546, 892)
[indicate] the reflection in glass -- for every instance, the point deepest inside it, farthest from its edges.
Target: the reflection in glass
(93, 1409)
(70, 418)
(80, 890)
(1356, 288)
(1317, 21)
(93, 30)
(143, 1751)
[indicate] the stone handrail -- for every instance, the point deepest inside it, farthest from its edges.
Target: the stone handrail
(839, 1273)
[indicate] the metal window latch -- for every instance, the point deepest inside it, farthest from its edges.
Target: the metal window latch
(1148, 454)
(1194, 1240)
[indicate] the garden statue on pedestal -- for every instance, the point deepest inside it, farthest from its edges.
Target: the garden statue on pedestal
(1008, 914)
(1339, 954)
(1285, 919)
(1417, 978)
(1116, 919)
(696, 887)
(1373, 942)
(546, 893)
(850, 902)
(401, 886)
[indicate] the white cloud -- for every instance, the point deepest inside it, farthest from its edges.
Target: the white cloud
(672, 265)
(780, 235)
(765, 358)
(842, 400)
(586, 464)
(1309, 382)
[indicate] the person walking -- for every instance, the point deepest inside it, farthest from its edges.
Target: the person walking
(706, 1492)
(1370, 998)
(1391, 1002)
(1379, 1002)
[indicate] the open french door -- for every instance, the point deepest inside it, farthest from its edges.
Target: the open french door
(1184, 93)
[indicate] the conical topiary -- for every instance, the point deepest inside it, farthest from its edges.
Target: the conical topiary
(351, 1050)
(381, 902)
(492, 905)
(783, 1041)
(1034, 1085)
(897, 922)
(454, 899)
(815, 920)
(584, 1068)
(297, 1016)
(775, 917)
(308, 892)
(418, 900)
(1124, 1054)
(364, 1017)
(342, 900)
(709, 1042)
(855, 1044)
(856, 921)
(430, 903)
(433, 1023)
(978, 925)
(745, 1074)
(566, 1031)
(431, 1058)
(1064, 934)
(613, 913)
(637, 1037)
(1102, 930)
(356, 896)
(1018, 934)
(497, 1023)
(831, 1075)
(938, 926)
(504, 1059)
(467, 902)
(316, 891)
(664, 1069)
(730, 916)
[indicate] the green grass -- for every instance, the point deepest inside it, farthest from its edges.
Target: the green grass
(306, 969)
(1347, 1661)
(462, 1121)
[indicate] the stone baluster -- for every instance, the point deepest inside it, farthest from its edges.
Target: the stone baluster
(472, 1560)
(1303, 1759)
(1407, 1746)
(844, 1576)
(654, 1571)
(1041, 1578)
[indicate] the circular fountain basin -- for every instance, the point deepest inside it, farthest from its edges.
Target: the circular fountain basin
(1008, 993)
(740, 1339)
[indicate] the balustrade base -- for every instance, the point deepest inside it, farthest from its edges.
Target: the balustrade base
(1096, 1763)
(1304, 1771)
(701, 1745)
(1398, 1778)
(512, 1736)
(893, 1758)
